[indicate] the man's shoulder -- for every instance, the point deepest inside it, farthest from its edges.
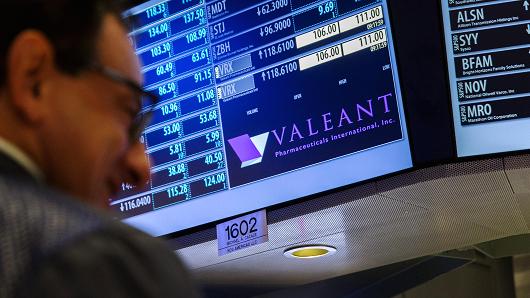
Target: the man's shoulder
(36, 221)
(36, 214)
(113, 261)
(54, 246)
(42, 216)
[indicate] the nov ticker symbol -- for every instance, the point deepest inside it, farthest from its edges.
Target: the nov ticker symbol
(249, 149)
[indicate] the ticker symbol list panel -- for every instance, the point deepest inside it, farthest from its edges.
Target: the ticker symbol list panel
(488, 51)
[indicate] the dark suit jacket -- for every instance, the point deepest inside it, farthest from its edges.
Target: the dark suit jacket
(51, 245)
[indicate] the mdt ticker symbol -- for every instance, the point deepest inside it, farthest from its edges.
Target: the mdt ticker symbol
(249, 149)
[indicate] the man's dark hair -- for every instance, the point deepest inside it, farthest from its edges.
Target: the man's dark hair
(72, 26)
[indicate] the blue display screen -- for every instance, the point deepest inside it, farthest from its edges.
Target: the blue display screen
(261, 102)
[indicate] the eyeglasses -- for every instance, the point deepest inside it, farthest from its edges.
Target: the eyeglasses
(146, 99)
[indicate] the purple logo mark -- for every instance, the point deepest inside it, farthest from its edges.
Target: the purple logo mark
(249, 150)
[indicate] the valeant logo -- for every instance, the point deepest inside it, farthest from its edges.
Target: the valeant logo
(249, 149)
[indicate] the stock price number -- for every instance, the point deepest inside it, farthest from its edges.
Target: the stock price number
(175, 128)
(372, 38)
(326, 8)
(159, 30)
(200, 55)
(207, 117)
(176, 191)
(195, 36)
(330, 29)
(242, 228)
(329, 53)
(272, 6)
(194, 15)
(170, 109)
(163, 69)
(176, 149)
(275, 27)
(276, 49)
(279, 71)
(366, 16)
(213, 158)
(206, 96)
(156, 10)
(167, 88)
(213, 137)
(203, 75)
(161, 49)
(133, 204)
(214, 180)
(176, 170)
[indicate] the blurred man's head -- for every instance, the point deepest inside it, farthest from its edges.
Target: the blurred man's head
(67, 96)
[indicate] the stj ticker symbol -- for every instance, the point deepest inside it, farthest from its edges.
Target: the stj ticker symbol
(249, 149)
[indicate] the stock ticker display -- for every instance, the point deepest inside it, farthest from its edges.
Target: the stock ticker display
(488, 52)
(258, 99)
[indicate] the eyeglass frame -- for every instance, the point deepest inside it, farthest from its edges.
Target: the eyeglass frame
(142, 120)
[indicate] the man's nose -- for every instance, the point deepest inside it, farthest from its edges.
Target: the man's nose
(136, 165)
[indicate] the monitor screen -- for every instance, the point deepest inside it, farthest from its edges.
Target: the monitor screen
(261, 102)
(488, 54)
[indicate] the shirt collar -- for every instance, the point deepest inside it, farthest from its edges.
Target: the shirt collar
(21, 158)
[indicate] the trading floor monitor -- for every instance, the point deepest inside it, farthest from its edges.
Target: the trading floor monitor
(262, 102)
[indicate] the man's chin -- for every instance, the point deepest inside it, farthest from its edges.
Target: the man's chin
(102, 201)
(99, 200)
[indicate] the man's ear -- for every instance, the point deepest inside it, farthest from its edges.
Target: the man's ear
(30, 62)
